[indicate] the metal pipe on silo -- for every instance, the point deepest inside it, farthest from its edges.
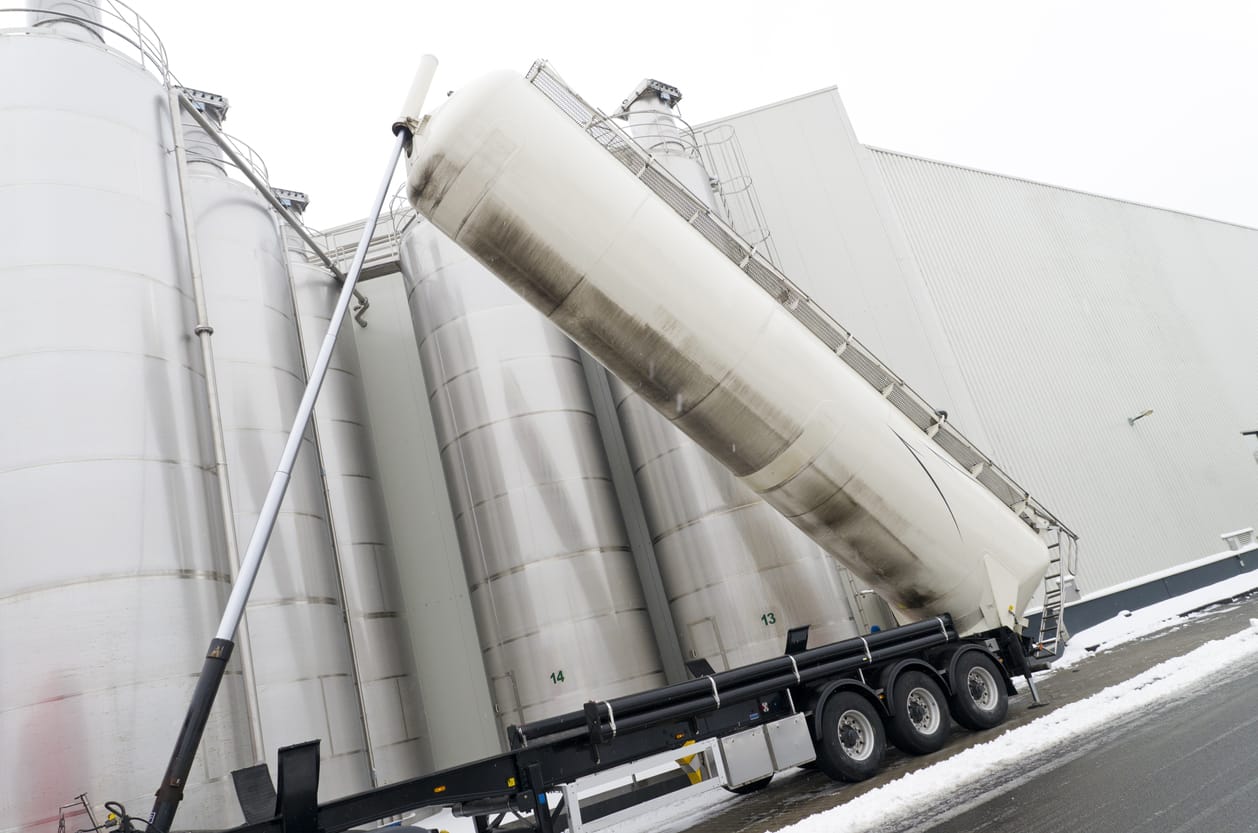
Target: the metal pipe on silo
(261, 370)
(204, 333)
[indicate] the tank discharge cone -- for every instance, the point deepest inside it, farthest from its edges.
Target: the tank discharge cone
(544, 205)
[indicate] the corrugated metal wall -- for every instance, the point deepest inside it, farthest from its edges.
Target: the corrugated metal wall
(1070, 313)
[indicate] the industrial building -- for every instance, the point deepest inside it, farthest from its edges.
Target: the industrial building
(485, 526)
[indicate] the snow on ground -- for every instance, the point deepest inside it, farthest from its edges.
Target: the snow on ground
(906, 796)
(1148, 620)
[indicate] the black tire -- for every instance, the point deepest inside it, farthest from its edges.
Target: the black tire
(751, 786)
(852, 740)
(979, 700)
(919, 723)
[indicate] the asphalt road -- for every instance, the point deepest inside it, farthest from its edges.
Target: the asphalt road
(1190, 766)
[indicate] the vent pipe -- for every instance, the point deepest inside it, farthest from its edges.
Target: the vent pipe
(650, 111)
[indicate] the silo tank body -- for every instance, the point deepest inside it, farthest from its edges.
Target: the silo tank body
(737, 575)
(558, 605)
(301, 656)
(396, 727)
(113, 576)
(516, 183)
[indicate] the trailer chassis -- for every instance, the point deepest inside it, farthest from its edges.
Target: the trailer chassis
(732, 717)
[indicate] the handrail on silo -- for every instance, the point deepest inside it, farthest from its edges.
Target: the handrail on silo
(126, 26)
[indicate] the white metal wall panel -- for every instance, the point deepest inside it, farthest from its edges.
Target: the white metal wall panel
(1070, 313)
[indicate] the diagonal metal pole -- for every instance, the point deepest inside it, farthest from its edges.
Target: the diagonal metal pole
(170, 793)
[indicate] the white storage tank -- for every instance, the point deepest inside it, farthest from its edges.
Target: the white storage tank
(113, 575)
(296, 618)
(517, 183)
(555, 593)
(395, 723)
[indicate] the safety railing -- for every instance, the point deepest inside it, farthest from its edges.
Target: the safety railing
(114, 23)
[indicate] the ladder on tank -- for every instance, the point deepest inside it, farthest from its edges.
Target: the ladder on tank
(1053, 631)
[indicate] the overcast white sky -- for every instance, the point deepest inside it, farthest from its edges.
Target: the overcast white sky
(1148, 101)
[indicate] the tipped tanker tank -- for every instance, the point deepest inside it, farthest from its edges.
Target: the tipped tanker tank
(516, 183)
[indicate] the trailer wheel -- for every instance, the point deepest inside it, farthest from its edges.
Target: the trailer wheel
(852, 740)
(920, 722)
(979, 699)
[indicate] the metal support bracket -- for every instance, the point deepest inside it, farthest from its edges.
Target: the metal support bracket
(297, 791)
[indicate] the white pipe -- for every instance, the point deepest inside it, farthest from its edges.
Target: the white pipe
(414, 104)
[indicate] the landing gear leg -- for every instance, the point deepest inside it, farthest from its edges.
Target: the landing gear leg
(1036, 700)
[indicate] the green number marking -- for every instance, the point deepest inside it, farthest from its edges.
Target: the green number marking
(556, 677)
(768, 618)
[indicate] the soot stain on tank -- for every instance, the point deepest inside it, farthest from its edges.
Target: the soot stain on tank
(497, 238)
(429, 185)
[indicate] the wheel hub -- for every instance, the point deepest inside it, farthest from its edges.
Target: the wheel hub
(982, 688)
(855, 735)
(922, 710)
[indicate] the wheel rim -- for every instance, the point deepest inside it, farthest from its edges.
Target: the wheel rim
(856, 735)
(982, 687)
(923, 711)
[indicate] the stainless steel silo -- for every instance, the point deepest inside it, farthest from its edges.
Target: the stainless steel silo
(394, 719)
(557, 601)
(302, 656)
(113, 573)
(737, 574)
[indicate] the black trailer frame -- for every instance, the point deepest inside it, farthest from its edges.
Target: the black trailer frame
(549, 753)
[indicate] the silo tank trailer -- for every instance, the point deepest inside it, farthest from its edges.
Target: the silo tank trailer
(568, 211)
